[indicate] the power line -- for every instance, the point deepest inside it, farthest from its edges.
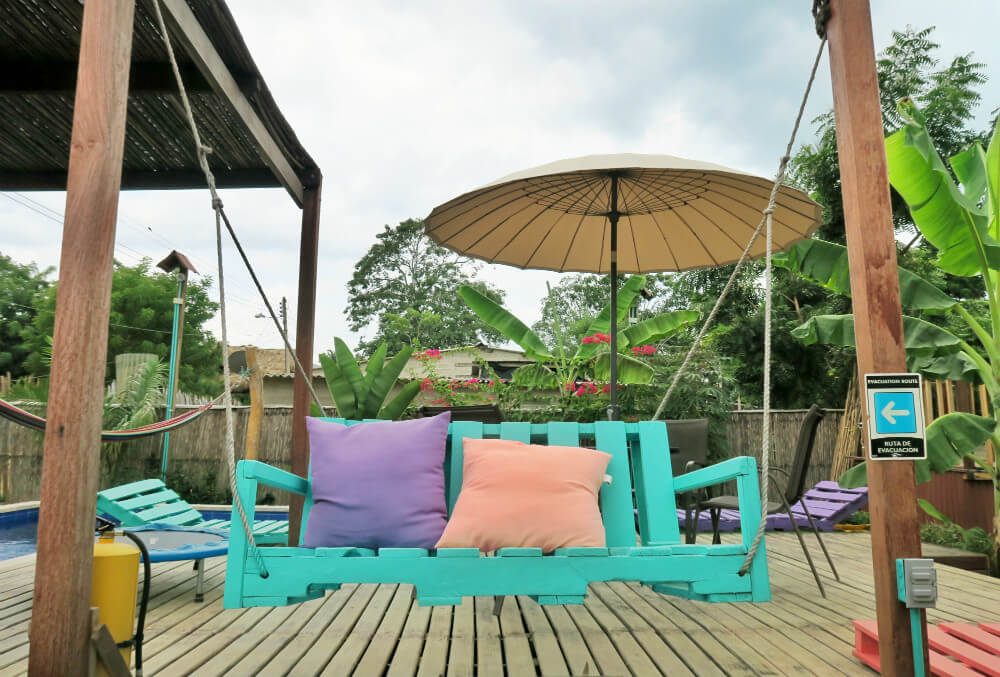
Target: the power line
(56, 216)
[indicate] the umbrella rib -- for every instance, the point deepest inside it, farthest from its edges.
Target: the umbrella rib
(666, 242)
(757, 208)
(723, 231)
(596, 194)
(631, 228)
(566, 212)
(507, 190)
(666, 184)
(767, 193)
(751, 227)
(694, 233)
(519, 194)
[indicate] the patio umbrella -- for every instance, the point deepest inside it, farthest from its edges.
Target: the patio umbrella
(625, 213)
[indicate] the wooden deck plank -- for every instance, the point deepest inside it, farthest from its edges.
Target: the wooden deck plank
(322, 650)
(434, 659)
(516, 647)
(462, 651)
(357, 641)
(292, 650)
(550, 639)
(489, 651)
(411, 642)
(627, 641)
(624, 628)
(383, 642)
(693, 657)
(600, 645)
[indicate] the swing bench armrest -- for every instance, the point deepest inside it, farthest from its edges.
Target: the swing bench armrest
(272, 477)
(716, 474)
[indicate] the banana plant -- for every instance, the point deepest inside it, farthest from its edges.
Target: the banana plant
(554, 368)
(361, 395)
(963, 222)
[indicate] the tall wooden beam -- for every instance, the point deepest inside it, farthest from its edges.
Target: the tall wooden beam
(199, 48)
(878, 324)
(305, 322)
(60, 623)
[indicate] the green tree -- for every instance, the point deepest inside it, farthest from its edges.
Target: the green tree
(20, 288)
(802, 374)
(141, 321)
(406, 287)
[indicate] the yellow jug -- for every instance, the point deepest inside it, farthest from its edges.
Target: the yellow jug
(113, 591)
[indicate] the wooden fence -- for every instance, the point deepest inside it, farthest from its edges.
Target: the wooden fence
(198, 462)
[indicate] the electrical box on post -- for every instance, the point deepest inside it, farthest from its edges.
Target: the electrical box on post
(916, 580)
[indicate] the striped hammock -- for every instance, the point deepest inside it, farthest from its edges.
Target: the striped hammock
(29, 420)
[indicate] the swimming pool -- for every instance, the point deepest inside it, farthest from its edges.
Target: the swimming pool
(19, 528)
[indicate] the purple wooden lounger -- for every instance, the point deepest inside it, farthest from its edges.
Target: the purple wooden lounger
(827, 501)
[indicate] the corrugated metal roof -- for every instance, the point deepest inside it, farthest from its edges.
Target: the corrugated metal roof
(39, 47)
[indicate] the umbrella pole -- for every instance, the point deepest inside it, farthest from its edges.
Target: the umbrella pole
(613, 412)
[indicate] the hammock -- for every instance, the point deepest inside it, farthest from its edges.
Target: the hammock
(29, 420)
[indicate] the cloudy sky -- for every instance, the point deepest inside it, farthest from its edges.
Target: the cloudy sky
(406, 105)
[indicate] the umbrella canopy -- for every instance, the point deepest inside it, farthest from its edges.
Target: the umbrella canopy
(674, 214)
(620, 213)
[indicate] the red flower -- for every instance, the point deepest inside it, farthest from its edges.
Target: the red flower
(580, 391)
(570, 387)
(606, 389)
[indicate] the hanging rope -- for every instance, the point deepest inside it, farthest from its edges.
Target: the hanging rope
(765, 224)
(220, 217)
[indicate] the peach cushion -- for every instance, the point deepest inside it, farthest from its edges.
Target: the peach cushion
(527, 495)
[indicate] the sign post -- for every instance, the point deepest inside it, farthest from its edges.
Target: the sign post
(896, 417)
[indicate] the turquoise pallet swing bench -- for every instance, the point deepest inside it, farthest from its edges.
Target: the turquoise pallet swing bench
(276, 576)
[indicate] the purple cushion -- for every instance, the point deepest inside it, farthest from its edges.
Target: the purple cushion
(377, 484)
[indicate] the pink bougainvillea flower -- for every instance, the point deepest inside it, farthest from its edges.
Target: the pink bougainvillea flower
(570, 387)
(580, 391)
(606, 389)
(493, 383)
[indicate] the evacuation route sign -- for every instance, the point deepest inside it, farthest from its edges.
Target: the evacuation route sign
(895, 417)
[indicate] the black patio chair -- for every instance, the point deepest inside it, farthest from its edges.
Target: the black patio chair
(795, 484)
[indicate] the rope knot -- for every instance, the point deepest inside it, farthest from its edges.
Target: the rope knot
(207, 150)
(216, 203)
(821, 14)
(769, 210)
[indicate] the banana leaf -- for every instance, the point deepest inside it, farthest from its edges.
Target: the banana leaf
(384, 380)
(375, 364)
(400, 402)
(350, 370)
(949, 439)
(919, 336)
(630, 370)
(948, 218)
(602, 323)
(657, 328)
(504, 322)
(826, 264)
(340, 390)
(535, 376)
(993, 181)
(951, 367)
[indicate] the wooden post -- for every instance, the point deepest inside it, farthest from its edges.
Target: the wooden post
(256, 420)
(878, 324)
(304, 324)
(60, 623)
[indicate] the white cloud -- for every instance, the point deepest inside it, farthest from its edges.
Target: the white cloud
(405, 106)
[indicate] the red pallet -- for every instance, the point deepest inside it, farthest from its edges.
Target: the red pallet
(956, 649)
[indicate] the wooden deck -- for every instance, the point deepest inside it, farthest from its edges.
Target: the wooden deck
(622, 630)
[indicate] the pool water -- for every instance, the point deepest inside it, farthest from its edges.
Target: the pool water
(19, 529)
(18, 533)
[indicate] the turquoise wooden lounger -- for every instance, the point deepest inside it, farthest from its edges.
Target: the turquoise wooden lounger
(150, 501)
(659, 559)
